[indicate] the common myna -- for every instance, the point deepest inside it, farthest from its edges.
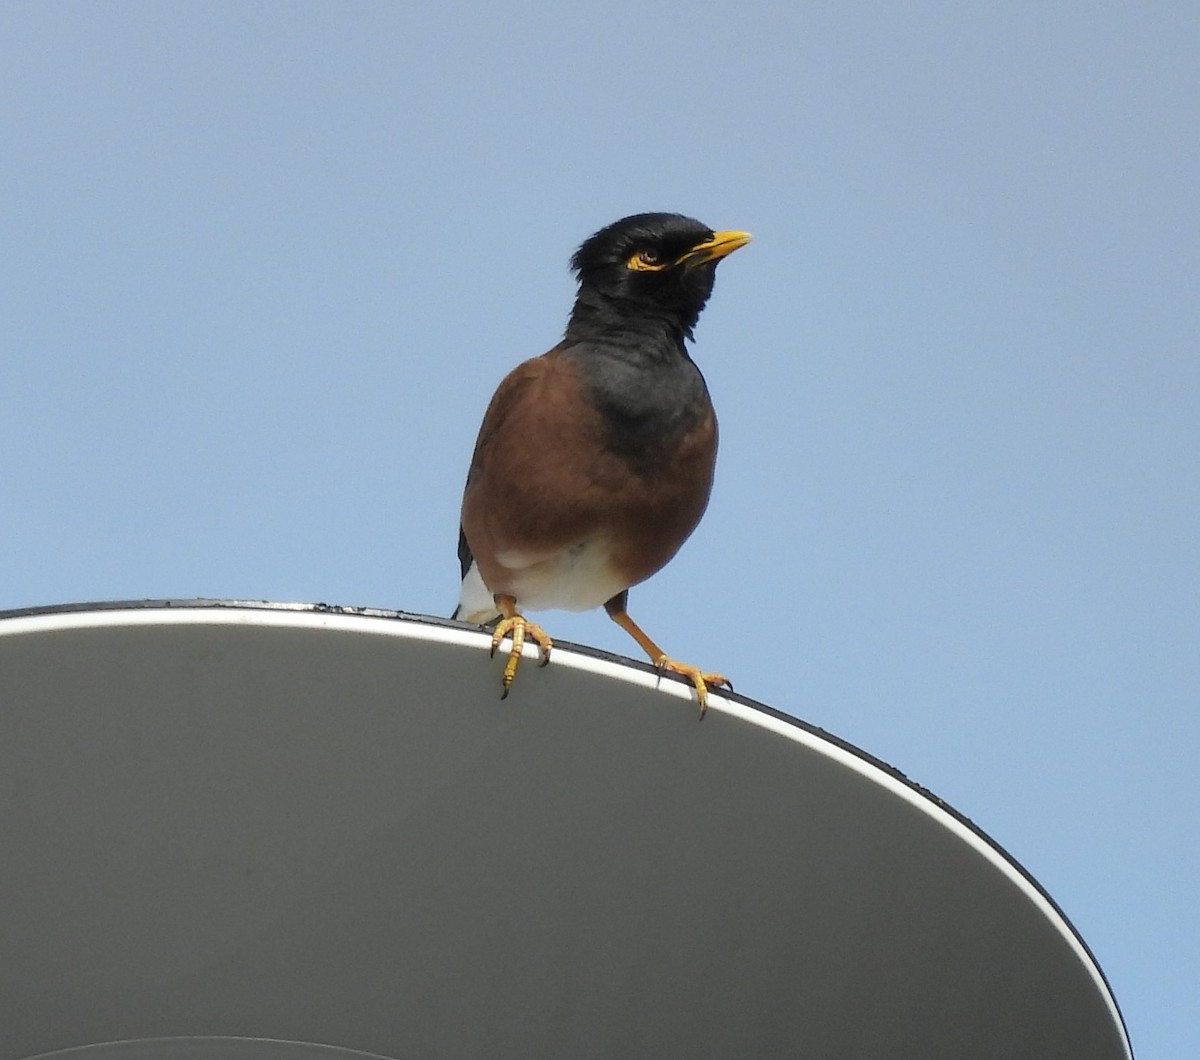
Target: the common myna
(595, 460)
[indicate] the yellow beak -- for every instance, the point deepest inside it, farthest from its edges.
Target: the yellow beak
(716, 246)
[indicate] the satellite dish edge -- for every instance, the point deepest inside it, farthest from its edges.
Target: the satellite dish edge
(229, 820)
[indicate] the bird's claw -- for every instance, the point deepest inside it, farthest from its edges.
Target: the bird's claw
(517, 628)
(701, 681)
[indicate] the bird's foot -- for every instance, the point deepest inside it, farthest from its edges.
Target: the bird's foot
(701, 680)
(517, 627)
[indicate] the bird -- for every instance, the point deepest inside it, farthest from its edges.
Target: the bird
(594, 461)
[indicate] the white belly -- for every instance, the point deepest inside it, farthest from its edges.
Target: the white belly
(576, 579)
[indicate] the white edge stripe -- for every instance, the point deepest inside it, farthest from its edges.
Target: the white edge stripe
(399, 626)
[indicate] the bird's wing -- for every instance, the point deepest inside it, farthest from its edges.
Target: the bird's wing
(507, 396)
(511, 395)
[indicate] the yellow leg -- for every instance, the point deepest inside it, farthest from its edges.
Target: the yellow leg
(699, 678)
(513, 624)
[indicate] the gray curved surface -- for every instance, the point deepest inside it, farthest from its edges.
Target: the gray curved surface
(202, 1047)
(319, 825)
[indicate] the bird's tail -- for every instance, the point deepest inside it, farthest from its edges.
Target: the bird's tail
(475, 602)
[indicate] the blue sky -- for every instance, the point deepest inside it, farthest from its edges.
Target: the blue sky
(264, 264)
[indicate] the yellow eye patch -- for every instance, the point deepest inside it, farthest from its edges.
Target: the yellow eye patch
(646, 260)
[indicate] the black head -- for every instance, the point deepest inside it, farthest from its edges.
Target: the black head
(657, 267)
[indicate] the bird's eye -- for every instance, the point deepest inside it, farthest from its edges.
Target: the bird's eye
(648, 259)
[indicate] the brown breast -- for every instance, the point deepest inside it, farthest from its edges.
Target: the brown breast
(545, 478)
